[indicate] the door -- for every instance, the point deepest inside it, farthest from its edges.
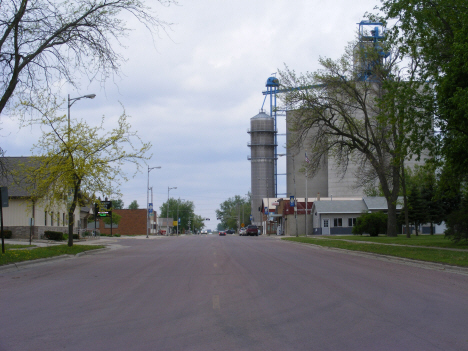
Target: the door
(326, 227)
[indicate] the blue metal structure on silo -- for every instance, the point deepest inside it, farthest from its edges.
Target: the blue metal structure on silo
(373, 37)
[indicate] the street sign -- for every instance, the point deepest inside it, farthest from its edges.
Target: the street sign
(242, 225)
(266, 210)
(150, 208)
(4, 191)
(291, 201)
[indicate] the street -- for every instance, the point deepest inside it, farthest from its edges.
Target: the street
(207, 292)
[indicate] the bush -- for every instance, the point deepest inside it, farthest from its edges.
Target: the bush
(374, 223)
(457, 226)
(76, 236)
(7, 234)
(51, 235)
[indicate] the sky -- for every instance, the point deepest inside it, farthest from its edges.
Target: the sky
(192, 91)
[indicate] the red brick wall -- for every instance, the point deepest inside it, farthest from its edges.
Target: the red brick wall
(133, 222)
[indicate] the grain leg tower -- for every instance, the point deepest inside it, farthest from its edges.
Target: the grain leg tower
(262, 160)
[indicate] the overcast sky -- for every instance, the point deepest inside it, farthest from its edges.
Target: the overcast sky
(192, 92)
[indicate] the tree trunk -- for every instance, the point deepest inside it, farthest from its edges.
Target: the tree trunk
(405, 199)
(392, 219)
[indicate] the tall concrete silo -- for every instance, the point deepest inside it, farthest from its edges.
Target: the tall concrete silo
(262, 160)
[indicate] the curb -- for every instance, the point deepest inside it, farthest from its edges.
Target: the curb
(400, 260)
(18, 265)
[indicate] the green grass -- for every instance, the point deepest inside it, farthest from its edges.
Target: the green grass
(428, 254)
(420, 240)
(18, 246)
(12, 256)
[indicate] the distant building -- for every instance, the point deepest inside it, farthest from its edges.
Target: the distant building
(132, 222)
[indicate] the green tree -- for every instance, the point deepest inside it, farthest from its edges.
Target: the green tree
(115, 219)
(234, 211)
(370, 122)
(373, 223)
(117, 204)
(436, 33)
(185, 211)
(133, 205)
(81, 160)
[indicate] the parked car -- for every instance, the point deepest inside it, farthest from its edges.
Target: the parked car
(230, 231)
(222, 232)
(242, 231)
(252, 230)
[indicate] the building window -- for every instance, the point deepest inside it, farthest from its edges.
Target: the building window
(337, 222)
(52, 219)
(58, 219)
(351, 222)
(45, 217)
(63, 219)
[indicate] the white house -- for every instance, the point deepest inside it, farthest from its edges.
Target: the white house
(25, 217)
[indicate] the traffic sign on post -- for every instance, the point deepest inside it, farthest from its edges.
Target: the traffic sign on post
(150, 208)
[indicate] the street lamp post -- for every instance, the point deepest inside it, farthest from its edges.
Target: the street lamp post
(167, 220)
(71, 101)
(147, 199)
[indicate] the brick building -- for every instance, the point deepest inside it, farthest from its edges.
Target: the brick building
(133, 222)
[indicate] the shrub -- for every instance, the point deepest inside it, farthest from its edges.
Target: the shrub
(51, 235)
(457, 226)
(374, 223)
(76, 236)
(7, 234)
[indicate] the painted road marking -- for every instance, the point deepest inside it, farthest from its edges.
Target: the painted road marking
(216, 302)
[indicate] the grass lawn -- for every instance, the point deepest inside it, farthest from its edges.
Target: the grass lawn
(429, 253)
(18, 246)
(420, 240)
(12, 256)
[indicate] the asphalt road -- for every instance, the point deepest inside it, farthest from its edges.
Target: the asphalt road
(230, 293)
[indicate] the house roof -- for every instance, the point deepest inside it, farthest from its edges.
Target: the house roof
(340, 206)
(10, 177)
(380, 203)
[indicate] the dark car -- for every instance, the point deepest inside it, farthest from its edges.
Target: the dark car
(251, 230)
(230, 231)
(222, 232)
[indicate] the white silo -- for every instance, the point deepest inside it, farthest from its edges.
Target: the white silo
(262, 160)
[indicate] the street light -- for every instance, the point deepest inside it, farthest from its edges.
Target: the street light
(147, 199)
(71, 102)
(167, 221)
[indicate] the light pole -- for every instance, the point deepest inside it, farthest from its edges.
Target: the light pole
(167, 221)
(147, 199)
(70, 103)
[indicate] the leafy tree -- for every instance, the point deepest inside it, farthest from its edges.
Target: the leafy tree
(117, 204)
(457, 224)
(417, 207)
(115, 219)
(436, 33)
(373, 223)
(133, 205)
(370, 122)
(234, 211)
(81, 159)
(185, 210)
